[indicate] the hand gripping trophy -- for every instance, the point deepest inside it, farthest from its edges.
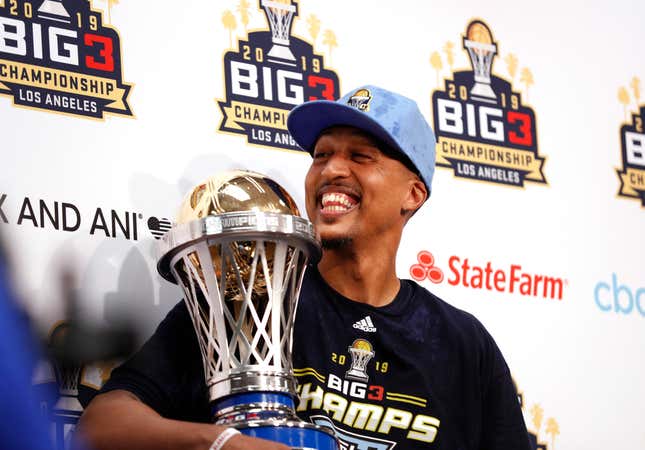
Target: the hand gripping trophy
(239, 250)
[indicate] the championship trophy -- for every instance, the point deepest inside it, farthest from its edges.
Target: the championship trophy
(481, 49)
(239, 250)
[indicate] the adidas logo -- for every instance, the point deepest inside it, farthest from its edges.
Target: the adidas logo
(365, 325)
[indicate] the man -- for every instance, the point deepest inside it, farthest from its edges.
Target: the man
(381, 360)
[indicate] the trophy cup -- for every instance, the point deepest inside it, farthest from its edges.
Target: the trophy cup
(239, 251)
(481, 50)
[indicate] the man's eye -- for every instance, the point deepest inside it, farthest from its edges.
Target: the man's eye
(319, 155)
(361, 156)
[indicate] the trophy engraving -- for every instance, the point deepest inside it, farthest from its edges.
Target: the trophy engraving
(481, 50)
(239, 250)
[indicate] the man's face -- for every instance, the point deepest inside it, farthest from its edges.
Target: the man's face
(354, 191)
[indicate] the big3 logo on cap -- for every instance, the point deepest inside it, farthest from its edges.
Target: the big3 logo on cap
(484, 129)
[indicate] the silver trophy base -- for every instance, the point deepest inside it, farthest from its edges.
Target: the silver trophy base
(251, 381)
(270, 415)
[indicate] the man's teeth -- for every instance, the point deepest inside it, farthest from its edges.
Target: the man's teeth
(336, 202)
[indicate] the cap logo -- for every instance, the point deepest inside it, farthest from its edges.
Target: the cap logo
(361, 100)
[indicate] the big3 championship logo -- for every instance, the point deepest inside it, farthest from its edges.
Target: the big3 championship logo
(632, 145)
(271, 72)
(57, 55)
(484, 129)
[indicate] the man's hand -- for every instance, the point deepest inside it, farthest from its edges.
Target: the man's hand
(242, 442)
(118, 420)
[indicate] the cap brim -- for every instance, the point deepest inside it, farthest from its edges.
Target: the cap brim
(307, 120)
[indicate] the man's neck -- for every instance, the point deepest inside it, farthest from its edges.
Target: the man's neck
(366, 276)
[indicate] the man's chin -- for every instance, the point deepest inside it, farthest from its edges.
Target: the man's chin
(336, 243)
(333, 236)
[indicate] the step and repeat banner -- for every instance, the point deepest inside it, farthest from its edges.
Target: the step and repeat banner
(110, 111)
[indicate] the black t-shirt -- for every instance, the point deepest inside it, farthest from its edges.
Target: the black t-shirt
(418, 373)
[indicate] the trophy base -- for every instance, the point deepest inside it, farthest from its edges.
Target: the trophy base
(271, 415)
(294, 433)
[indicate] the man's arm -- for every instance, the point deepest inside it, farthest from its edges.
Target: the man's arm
(118, 420)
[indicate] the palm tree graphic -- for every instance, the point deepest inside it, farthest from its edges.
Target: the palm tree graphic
(314, 27)
(623, 97)
(329, 39)
(537, 414)
(435, 62)
(229, 22)
(635, 84)
(526, 77)
(244, 9)
(511, 65)
(552, 429)
(110, 4)
(448, 48)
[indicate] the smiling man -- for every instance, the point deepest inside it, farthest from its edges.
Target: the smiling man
(380, 360)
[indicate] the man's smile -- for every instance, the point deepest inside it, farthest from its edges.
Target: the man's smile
(337, 203)
(335, 199)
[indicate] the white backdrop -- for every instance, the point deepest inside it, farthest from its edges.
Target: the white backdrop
(581, 365)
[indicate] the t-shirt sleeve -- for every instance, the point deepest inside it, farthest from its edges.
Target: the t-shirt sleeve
(167, 373)
(503, 424)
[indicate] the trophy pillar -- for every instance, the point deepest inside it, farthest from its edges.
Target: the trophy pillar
(239, 252)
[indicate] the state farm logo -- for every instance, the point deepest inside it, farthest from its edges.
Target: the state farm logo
(512, 279)
(426, 268)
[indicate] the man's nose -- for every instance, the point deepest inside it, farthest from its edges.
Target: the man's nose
(337, 166)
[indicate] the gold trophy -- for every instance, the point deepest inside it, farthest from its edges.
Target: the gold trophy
(239, 250)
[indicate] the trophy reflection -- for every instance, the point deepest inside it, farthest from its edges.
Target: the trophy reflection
(239, 250)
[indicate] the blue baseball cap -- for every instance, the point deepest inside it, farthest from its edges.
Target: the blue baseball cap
(391, 118)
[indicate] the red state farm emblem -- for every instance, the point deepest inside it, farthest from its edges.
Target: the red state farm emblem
(426, 268)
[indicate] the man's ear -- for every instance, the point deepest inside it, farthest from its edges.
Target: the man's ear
(417, 195)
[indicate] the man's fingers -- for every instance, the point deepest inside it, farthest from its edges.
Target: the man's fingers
(242, 442)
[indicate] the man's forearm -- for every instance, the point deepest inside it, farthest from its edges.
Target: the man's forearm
(118, 420)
